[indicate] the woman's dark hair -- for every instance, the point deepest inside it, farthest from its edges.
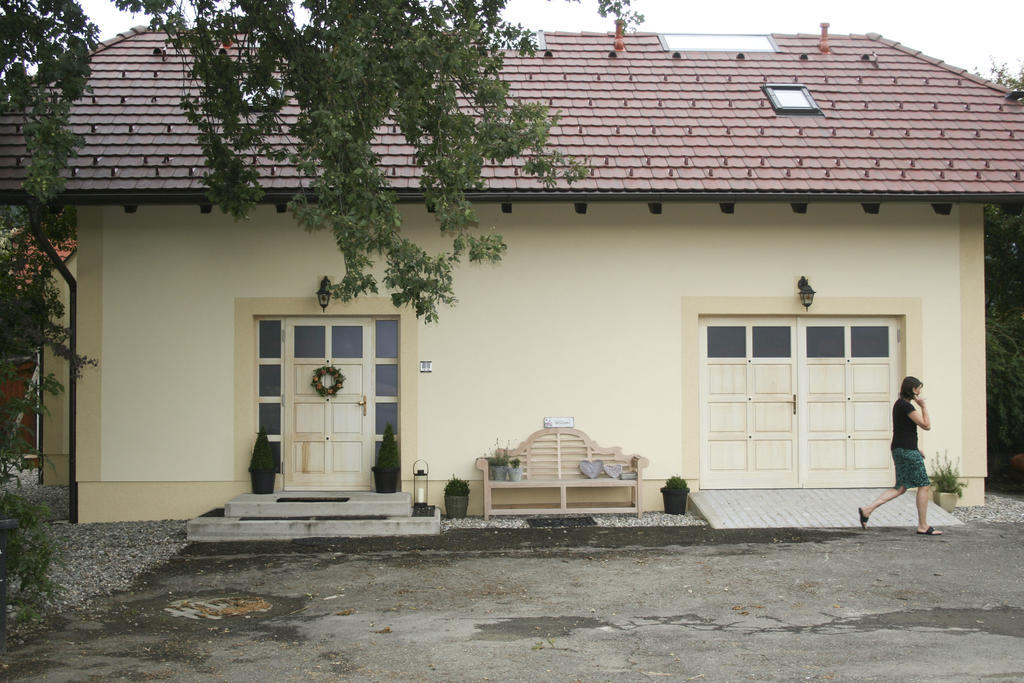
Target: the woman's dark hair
(908, 386)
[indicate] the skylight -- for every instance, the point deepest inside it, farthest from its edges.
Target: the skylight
(698, 42)
(791, 99)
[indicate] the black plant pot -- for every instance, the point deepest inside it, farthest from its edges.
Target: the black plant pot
(262, 481)
(385, 479)
(675, 500)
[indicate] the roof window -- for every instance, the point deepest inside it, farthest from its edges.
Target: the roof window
(791, 99)
(698, 42)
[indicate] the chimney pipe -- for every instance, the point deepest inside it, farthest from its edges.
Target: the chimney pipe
(620, 44)
(823, 43)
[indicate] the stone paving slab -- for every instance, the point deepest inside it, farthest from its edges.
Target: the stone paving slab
(808, 509)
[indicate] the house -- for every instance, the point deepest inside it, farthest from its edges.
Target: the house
(655, 303)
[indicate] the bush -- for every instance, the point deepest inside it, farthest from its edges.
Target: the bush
(456, 487)
(30, 553)
(31, 312)
(1005, 367)
(675, 483)
(262, 456)
(387, 458)
(30, 550)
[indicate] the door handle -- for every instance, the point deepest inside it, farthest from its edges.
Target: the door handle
(794, 404)
(363, 404)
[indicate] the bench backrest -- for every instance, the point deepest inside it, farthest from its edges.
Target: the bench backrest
(556, 454)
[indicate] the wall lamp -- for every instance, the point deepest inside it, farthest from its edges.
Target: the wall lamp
(323, 295)
(806, 293)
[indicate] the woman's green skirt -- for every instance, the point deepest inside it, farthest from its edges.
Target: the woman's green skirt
(910, 471)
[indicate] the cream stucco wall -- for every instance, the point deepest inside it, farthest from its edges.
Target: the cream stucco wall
(591, 316)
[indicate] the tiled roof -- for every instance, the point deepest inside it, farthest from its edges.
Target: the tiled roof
(896, 124)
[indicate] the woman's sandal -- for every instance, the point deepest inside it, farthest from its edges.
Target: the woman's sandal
(863, 519)
(931, 532)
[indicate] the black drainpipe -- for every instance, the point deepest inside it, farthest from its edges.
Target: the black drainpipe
(35, 222)
(39, 419)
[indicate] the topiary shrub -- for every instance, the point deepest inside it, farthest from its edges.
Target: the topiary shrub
(676, 483)
(262, 457)
(456, 487)
(387, 458)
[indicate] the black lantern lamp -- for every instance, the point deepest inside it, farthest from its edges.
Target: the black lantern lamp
(420, 470)
(806, 293)
(323, 295)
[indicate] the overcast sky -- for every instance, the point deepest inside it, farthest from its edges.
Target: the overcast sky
(969, 35)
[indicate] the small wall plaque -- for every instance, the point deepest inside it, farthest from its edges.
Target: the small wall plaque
(426, 366)
(550, 422)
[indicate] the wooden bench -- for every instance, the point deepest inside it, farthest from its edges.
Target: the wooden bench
(550, 459)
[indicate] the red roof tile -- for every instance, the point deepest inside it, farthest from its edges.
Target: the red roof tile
(895, 123)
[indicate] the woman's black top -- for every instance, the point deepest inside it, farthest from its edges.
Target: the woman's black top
(904, 430)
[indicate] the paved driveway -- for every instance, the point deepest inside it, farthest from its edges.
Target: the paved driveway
(591, 604)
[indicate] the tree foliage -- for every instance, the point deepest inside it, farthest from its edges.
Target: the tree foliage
(1004, 303)
(315, 91)
(1004, 262)
(30, 551)
(30, 303)
(44, 64)
(31, 310)
(1004, 359)
(44, 50)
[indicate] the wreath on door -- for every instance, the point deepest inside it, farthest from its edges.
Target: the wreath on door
(327, 380)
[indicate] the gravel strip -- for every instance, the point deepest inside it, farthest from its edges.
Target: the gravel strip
(98, 558)
(616, 520)
(102, 558)
(998, 507)
(105, 557)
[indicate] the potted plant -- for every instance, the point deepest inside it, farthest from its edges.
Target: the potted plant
(498, 464)
(674, 493)
(946, 480)
(515, 470)
(261, 466)
(456, 497)
(385, 472)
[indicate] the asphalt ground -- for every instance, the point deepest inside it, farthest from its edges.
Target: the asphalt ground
(589, 604)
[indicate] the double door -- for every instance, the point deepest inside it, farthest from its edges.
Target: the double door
(789, 402)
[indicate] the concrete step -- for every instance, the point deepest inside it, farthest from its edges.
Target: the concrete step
(291, 504)
(224, 529)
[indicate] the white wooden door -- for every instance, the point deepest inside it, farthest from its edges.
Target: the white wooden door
(794, 402)
(849, 383)
(748, 388)
(329, 441)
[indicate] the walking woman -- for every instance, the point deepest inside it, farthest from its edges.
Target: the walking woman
(910, 471)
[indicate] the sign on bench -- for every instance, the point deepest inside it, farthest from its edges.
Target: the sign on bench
(551, 459)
